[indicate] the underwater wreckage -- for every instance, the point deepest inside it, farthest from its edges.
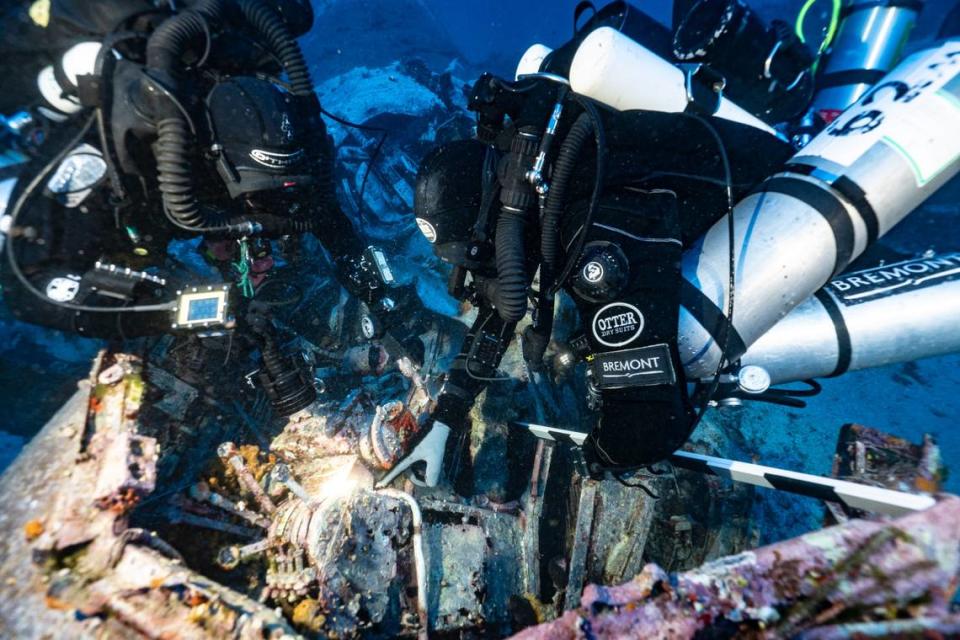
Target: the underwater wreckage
(292, 539)
(161, 503)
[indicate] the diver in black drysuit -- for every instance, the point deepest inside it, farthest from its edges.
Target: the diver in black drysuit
(201, 140)
(659, 194)
(627, 193)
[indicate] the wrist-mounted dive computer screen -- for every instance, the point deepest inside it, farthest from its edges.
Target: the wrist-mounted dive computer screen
(375, 258)
(202, 308)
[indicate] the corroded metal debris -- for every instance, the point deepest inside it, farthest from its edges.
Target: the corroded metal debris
(858, 572)
(173, 513)
(289, 538)
(872, 457)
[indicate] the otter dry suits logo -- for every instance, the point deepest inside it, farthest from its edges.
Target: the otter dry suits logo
(617, 324)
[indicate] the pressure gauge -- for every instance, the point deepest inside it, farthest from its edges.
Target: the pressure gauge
(753, 379)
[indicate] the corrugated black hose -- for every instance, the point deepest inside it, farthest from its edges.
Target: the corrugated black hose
(516, 199)
(172, 150)
(600, 138)
(537, 336)
(176, 34)
(173, 147)
(271, 27)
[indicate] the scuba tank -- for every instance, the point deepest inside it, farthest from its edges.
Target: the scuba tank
(618, 16)
(625, 59)
(621, 73)
(892, 313)
(868, 44)
(59, 83)
(860, 176)
(532, 60)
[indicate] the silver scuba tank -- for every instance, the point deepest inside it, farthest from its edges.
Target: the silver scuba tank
(864, 173)
(869, 42)
(892, 313)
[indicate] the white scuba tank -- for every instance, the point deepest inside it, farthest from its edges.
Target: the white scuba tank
(857, 179)
(532, 59)
(58, 86)
(621, 73)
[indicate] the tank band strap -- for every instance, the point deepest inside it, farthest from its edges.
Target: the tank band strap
(850, 76)
(856, 196)
(827, 205)
(844, 346)
(913, 5)
(712, 319)
(63, 80)
(853, 193)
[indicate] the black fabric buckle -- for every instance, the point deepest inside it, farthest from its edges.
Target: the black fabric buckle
(90, 90)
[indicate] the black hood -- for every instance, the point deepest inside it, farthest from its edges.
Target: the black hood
(260, 134)
(448, 197)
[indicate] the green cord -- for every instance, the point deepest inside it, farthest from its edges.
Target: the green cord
(798, 27)
(835, 9)
(242, 266)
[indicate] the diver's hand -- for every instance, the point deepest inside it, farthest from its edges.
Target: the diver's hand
(430, 451)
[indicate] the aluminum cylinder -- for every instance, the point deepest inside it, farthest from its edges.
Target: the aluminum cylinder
(621, 73)
(858, 178)
(868, 44)
(58, 86)
(892, 313)
(532, 59)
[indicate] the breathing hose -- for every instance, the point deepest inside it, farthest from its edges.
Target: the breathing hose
(563, 168)
(516, 199)
(601, 141)
(537, 336)
(271, 27)
(511, 265)
(165, 48)
(172, 150)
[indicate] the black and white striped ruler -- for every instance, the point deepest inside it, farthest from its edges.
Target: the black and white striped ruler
(554, 434)
(852, 494)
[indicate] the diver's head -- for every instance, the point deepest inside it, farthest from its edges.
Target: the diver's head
(448, 197)
(262, 143)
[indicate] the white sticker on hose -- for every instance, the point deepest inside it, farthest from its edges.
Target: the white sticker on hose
(909, 111)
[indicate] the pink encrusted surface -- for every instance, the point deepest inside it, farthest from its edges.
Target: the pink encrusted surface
(909, 565)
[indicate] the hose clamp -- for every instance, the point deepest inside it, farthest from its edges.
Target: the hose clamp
(768, 67)
(704, 88)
